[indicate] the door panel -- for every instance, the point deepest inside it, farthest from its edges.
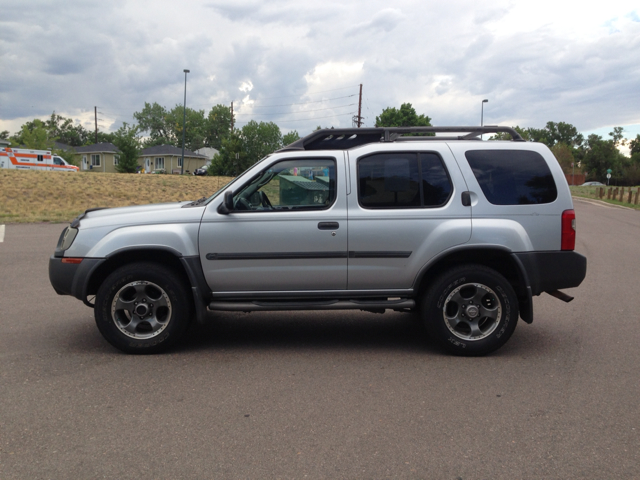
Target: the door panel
(289, 242)
(391, 237)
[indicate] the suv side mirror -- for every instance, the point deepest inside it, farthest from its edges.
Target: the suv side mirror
(227, 204)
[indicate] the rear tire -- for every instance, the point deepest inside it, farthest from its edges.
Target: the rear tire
(142, 308)
(470, 310)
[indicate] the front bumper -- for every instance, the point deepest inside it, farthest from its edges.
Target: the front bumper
(72, 278)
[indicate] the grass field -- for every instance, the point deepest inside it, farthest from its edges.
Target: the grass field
(592, 192)
(31, 196)
(36, 196)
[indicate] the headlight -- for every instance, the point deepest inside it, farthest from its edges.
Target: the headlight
(67, 237)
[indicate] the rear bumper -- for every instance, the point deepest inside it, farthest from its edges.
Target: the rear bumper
(549, 271)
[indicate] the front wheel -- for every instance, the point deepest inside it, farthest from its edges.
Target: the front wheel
(142, 308)
(471, 310)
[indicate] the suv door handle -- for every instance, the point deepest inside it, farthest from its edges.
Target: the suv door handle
(466, 199)
(328, 225)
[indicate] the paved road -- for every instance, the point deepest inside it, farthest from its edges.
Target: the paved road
(325, 395)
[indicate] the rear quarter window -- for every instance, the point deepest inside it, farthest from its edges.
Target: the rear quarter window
(513, 177)
(403, 180)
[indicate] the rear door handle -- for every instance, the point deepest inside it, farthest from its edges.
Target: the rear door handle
(328, 225)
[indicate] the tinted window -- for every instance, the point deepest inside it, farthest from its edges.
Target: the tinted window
(436, 186)
(402, 180)
(513, 177)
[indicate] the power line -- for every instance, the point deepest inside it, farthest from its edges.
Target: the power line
(293, 113)
(314, 118)
(298, 95)
(311, 93)
(367, 105)
(304, 103)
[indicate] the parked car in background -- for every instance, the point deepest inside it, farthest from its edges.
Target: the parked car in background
(593, 184)
(201, 171)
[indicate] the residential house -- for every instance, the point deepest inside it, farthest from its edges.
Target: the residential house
(208, 152)
(168, 159)
(62, 146)
(99, 157)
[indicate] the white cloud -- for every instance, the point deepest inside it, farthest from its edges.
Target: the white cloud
(535, 62)
(246, 86)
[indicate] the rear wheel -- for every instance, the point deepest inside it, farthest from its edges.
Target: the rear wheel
(471, 310)
(142, 308)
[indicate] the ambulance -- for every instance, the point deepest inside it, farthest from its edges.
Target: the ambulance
(26, 159)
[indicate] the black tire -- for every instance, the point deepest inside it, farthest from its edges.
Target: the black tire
(470, 310)
(143, 308)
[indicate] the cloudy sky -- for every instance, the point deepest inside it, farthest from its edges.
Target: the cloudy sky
(299, 63)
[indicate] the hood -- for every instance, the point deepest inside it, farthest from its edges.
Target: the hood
(139, 215)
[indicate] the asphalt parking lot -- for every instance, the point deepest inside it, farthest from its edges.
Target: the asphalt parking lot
(325, 394)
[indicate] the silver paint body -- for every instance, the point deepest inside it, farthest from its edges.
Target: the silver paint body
(425, 232)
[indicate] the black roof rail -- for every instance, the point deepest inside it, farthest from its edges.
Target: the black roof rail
(345, 138)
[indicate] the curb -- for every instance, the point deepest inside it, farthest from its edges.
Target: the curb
(601, 203)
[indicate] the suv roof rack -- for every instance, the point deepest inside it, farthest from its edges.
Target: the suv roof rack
(345, 138)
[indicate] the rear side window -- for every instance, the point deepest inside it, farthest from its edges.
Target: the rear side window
(402, 180)
(513, 177)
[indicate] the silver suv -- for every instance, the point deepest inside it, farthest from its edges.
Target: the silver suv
(463, 231)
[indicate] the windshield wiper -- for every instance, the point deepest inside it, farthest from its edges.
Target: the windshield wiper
(197, 203)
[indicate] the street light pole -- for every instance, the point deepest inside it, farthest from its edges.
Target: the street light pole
(482, 114)
(184, 119)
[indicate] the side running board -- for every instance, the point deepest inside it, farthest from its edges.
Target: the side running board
(268, 305)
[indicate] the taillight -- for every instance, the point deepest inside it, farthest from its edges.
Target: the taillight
(568, 230)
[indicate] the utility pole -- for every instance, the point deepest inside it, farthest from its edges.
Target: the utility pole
(95, 111)
(357, 119)
(482, 114)
(184, 119)
(232, 117)
(360, 108)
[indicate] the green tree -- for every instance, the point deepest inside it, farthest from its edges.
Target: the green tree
(34, 135)
(552, 134)
(153, 120)
(217, 126)
(290, 137)
(65, 131)
(4, 135)
(103, 137)
(405, 116)
(634, 145)
(562, 132)
(601, 155)
(195, 127)
(260, 139)
(68, 155)
(244, 147)
(564, 155)
(128, 142)
(618, 137)
(60, 129)
(524, 133)
(164, 127)
(231, 159)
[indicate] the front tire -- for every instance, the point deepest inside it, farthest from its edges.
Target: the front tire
(142, 308)
(470, 310)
